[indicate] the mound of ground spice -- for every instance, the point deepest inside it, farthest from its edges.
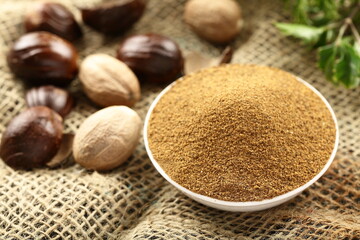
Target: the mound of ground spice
(241, 133)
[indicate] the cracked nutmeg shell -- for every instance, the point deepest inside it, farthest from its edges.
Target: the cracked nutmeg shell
(43, 58)
(54, 18)
(32, 138)
(113, 17)
(153, 57)
(52, 97)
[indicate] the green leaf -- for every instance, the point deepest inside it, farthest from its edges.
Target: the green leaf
(332, 27)
(325, 38)
(341, 63)
(347, 66)
(308, 34)
(330, 8)
(300, 12)
(357, 47)
(326, 61)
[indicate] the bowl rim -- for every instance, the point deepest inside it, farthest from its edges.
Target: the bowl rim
(280, 198)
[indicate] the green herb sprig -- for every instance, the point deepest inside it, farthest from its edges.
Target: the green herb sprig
(331, 27)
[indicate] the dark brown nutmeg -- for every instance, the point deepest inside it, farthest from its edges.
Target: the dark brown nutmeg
(55, 98)
(32, 138)
(54, 18)
(152, 57)
(43, 58)
(114, 17)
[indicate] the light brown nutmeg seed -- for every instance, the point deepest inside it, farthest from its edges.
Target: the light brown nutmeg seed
(108, 81)
(218, 21)
(107, 138)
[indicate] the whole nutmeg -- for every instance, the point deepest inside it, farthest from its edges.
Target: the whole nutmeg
(43, 58)
(113, 17)
(217, 21)
(108, 81)
(32, 138)
(55, 98)
(54, 18)
(107, 138)
(152, 57)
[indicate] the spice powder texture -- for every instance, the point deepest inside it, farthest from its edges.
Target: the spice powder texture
(241, 133)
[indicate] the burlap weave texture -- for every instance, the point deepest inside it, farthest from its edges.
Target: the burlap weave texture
(134, 201)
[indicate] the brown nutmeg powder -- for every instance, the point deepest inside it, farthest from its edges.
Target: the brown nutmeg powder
(241, 133)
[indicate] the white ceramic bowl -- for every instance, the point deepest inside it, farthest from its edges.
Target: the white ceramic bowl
(240, 206)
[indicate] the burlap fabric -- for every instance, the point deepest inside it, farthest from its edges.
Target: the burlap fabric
(134, 201)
